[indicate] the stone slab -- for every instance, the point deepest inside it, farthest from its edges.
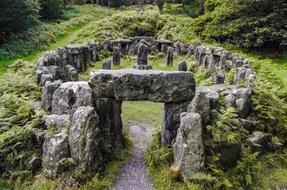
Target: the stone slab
(152, 85)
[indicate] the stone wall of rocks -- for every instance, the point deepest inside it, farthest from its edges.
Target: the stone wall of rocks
(92, 110)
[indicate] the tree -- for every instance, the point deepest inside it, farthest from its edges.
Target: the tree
(201, 7)
(160, 4)
(141, 5)
(17, 15)
(51, 9)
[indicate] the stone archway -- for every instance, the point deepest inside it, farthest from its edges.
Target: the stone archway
(175, 89)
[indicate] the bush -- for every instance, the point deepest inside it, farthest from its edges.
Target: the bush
(17, 15)
(51, 9)
(244, 23)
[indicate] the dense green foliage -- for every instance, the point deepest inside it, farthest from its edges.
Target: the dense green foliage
(16, 16)
(131, 23)
(51, 9)
(244, 23)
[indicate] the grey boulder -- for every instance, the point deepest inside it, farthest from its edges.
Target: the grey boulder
(201, 105)
(48, 92)
(188, 149)
(85, 139)
(55, 150)
(71, 95)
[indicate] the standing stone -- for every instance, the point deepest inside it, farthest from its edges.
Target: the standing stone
(70, 73)
(142, 54)
(188, 149)
(55, 152)
(107, 64)
(182, 66)
(218, 77)
(85, 139)
(109, 111)
(142, 50)
(171, 121)
(177, 48)
(170, 52)
(201, 105)
(93, 49)
(243, 101)
(47, 94)
(116, 56)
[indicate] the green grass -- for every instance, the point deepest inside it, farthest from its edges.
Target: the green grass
(142, 111)
(53, 35)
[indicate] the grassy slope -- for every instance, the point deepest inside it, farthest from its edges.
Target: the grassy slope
(60, 33)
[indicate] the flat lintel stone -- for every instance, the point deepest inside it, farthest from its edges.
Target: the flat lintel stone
(152, 85)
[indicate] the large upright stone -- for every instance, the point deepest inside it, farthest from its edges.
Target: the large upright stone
(169, 56)
(55, 152)
(142, 54)
(243, 101)
(130, 84)
(85, 140)
(47, 93)
(142, 51)
(71, 95)
(116, 56)
(177, 48)
(188, 148)
(171, 121)
(107, 65)
(201, 105)
(182, 66)
(94, 50)
(109, 111)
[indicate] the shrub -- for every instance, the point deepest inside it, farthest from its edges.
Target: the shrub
(244, 23)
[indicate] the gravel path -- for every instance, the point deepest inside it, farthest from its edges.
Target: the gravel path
(133, 175)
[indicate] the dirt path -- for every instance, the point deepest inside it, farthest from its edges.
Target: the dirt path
(133, 175)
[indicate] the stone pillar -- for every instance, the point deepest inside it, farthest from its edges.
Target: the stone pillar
(182, 66)
(107, 64)
(142, 51)
(47, 93)
(85, 140)
(109, 111)
(116, 56)
(169, 56)
(142, 54)
(218, 77)
(93, 50)
(177, 48)
(188, 149)
(171, 121)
